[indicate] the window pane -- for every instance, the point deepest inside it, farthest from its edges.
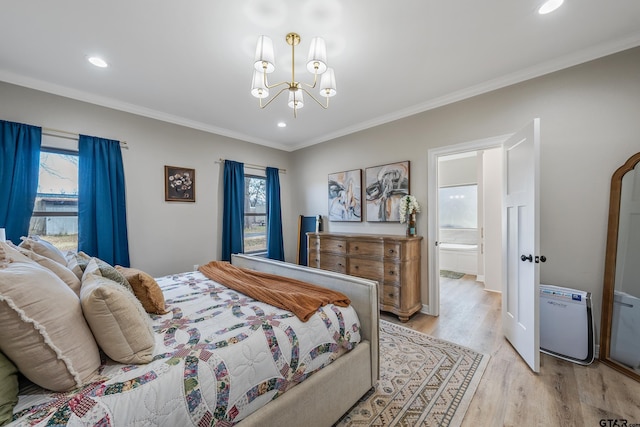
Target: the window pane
(458, 206)
(255, 234)
(56, 206)
(58, 174)
(255, 218)
(255, 195)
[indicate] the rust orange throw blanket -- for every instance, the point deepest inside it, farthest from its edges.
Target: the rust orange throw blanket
(302, 298)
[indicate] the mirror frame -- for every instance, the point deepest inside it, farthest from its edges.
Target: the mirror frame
(610, 268)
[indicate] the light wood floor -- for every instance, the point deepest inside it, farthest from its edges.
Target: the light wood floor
(562, 394)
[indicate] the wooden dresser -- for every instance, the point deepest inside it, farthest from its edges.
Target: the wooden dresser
(394, 261)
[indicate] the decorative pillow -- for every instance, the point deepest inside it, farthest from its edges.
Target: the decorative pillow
(44, 248)
(116, 317)
(60, 270)
(74, 265)
(110, 272)
(145, 288)
(55, 349)
(8, 389)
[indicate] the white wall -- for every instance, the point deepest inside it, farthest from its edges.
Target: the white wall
(589, 126)
(164, 237)
(492, 214)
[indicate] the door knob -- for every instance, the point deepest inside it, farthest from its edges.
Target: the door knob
(540, 259)
(525, 258)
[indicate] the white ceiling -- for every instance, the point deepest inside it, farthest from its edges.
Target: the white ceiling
(190, 62)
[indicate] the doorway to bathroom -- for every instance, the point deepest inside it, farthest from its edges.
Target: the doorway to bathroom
(465, 187)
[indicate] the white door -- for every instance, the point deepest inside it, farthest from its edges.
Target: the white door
(521, 238)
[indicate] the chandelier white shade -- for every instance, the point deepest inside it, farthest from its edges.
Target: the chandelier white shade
(264, 55)
(323, 77)
(317, 56)
(295, 99)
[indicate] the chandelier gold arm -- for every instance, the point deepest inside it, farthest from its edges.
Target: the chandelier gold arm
(274, 97)
(325, 106)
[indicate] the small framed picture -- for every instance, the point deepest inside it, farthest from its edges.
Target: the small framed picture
(179, 184)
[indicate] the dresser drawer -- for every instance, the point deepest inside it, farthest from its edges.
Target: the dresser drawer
(392, 250)
(367, 268)
(392, 272)
(390, 296)
(313, 242)
(372, 249)
(337, 246)
(313, 259)
(333, 262)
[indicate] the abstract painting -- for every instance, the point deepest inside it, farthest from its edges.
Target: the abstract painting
(344, 196)
(385, 186)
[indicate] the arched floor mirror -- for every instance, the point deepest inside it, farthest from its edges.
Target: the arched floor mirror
(620, 328)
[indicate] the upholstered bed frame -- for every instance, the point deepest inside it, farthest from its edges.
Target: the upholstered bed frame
(325, 396)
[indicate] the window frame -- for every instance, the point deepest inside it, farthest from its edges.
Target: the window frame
(62, 213)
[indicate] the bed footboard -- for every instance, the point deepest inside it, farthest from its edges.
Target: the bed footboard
(363, 294)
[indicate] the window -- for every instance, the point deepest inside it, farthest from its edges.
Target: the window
(458, 206)
(55, 213)
(255, 214)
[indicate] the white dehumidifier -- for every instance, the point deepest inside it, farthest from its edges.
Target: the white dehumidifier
(566, 324)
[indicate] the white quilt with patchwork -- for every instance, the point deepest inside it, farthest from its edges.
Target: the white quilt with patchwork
(219, 357)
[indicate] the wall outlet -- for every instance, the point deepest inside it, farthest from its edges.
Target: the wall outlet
(195, 267)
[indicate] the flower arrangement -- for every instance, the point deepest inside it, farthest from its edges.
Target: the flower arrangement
(180, 181)
(408, 206)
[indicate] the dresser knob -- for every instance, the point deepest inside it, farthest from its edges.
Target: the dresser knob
(391, 251)
(355, 248)
(392, 272)
(357, 267)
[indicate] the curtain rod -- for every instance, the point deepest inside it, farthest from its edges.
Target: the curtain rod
(249, 165)
(71, 135)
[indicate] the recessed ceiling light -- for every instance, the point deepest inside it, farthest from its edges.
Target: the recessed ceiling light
(98, 62)
(282, 125)
(549, 6)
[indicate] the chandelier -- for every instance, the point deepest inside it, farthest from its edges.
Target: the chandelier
(316, 64)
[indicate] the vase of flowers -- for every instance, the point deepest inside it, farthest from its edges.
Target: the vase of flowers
(409, 207)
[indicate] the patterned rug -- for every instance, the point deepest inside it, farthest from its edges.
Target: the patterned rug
(451, 274)
(423, 381)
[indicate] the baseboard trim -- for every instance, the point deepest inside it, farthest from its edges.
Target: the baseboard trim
(425, 309)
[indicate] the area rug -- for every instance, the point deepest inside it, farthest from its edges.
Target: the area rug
(451, 274)
(424, 381)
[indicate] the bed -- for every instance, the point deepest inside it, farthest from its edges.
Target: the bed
(191, 380)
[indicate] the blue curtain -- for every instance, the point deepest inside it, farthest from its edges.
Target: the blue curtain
(102, 215)
(233, 210)
(19, 168)
(275, 245)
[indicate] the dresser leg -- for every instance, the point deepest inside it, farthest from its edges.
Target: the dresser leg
(403, 319)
